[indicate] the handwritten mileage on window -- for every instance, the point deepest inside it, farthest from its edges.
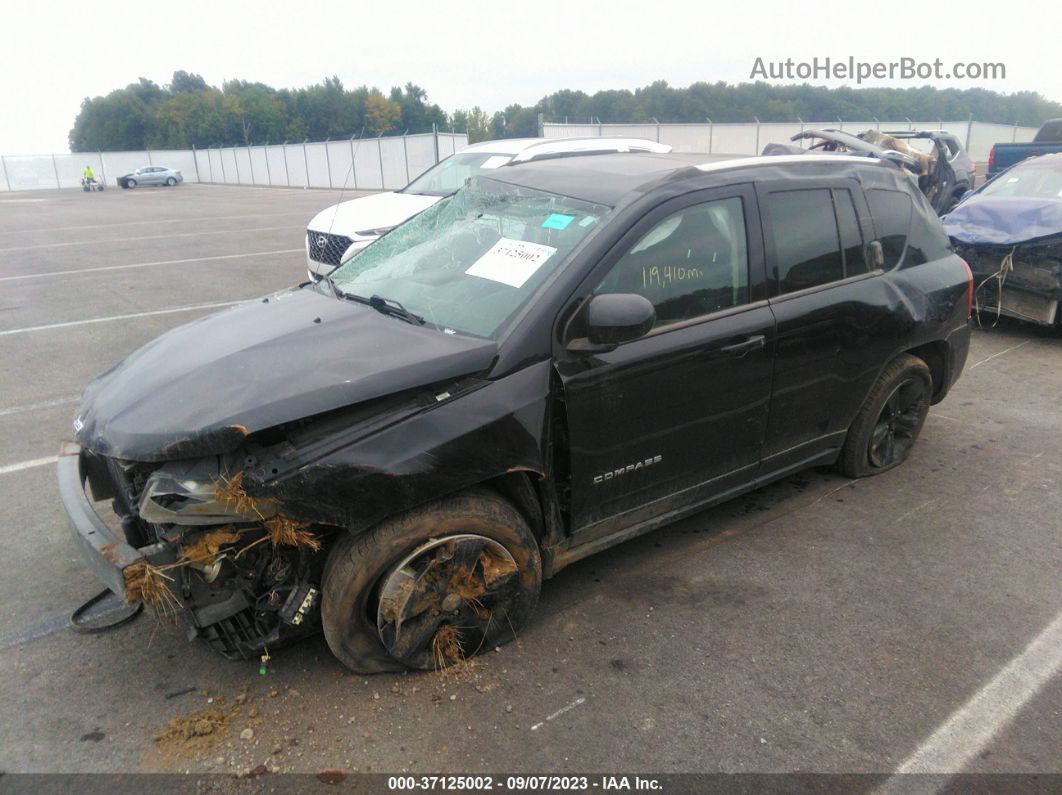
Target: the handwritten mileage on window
(666, 275)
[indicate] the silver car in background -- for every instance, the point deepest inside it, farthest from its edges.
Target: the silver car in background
(151, 175)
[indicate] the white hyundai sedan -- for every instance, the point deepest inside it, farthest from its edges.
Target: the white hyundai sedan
(338, 232)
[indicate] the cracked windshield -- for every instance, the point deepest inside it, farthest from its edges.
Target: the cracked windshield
(467, 263)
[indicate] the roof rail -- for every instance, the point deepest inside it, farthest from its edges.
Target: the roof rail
(588, 145)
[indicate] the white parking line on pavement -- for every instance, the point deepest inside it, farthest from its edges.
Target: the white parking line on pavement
(47, 404)
(975, 365)
(152, 237)
(36, 462)
(971, 728)
(196, 220)
(149, 264)
(558, 713)
(121, 317)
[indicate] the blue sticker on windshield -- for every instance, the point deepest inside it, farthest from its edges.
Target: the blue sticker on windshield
(557, 221)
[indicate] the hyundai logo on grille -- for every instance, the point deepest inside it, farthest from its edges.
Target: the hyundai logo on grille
(320, 241)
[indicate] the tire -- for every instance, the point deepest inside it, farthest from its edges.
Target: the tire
(171, 181)
(890, 419)
(473, 540)
(130, 183)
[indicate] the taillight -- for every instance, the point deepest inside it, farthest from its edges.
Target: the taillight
(992, 158)
(969, 287)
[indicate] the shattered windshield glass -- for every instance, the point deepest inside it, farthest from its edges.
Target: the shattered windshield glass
(453, 172)
(467, 263)
(1028, 181)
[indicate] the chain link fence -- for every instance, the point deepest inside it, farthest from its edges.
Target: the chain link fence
(383, 163)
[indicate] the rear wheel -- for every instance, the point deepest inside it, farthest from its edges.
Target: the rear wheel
(171, 181)
(887, 425)
(431, 587)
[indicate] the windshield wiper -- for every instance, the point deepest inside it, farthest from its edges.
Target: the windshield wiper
(388, 307)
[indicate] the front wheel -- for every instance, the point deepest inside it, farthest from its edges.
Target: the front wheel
(431, 587)
(887, 425)
(130, 183)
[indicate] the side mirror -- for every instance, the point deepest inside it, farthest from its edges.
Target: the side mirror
(615, 318)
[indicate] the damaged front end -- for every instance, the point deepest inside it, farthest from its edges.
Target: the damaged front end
(1010, 233)
(186, 537)
(1023, 281)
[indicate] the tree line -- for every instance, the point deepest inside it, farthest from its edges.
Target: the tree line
(189, 112)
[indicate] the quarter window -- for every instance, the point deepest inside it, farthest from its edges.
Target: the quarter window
(692, 263)
(891, 211)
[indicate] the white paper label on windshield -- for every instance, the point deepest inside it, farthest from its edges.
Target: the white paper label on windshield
(494, 161)
(511, 262)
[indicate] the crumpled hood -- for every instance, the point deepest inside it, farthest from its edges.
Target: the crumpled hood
(381, 210)
(200, 388)
(1003, 220)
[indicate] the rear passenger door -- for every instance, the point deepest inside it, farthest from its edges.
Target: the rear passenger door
(828, 308)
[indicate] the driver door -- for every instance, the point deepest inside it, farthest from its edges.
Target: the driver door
(678, 416)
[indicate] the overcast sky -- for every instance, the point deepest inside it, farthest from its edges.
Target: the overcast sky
(466, 52)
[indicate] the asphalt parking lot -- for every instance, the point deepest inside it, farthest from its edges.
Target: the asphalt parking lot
(818, 625)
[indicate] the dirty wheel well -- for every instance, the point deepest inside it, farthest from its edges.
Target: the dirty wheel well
(521, 489)
(935, 355)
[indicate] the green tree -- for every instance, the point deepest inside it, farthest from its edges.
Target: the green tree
(382, 115)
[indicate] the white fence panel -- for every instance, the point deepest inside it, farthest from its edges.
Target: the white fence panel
(231, 166)
(317, 165)
(393, 163)
(734, 139)
(574, 130)
(259, 165)
(278, 172)
(202, 162)
(339, 164)
(69, 169)
(244, 176)
(118, 164)
(421, 150)
(30, 172)
(296, 165)
(367, 164)
(178, 159)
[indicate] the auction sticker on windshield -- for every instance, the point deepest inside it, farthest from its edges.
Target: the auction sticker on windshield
(511, 262)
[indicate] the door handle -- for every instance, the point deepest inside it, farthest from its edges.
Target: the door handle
(739, 349)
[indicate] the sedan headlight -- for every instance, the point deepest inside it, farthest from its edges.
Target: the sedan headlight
(194, 493)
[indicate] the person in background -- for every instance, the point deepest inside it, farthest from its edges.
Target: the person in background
(88, 175)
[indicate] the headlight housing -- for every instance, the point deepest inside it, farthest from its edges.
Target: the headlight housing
(191, 493)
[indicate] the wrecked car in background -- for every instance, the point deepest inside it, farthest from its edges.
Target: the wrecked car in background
(1010, 232)
(944, 173)
(560, 356)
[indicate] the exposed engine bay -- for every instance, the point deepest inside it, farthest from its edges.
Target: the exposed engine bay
(247, 577)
